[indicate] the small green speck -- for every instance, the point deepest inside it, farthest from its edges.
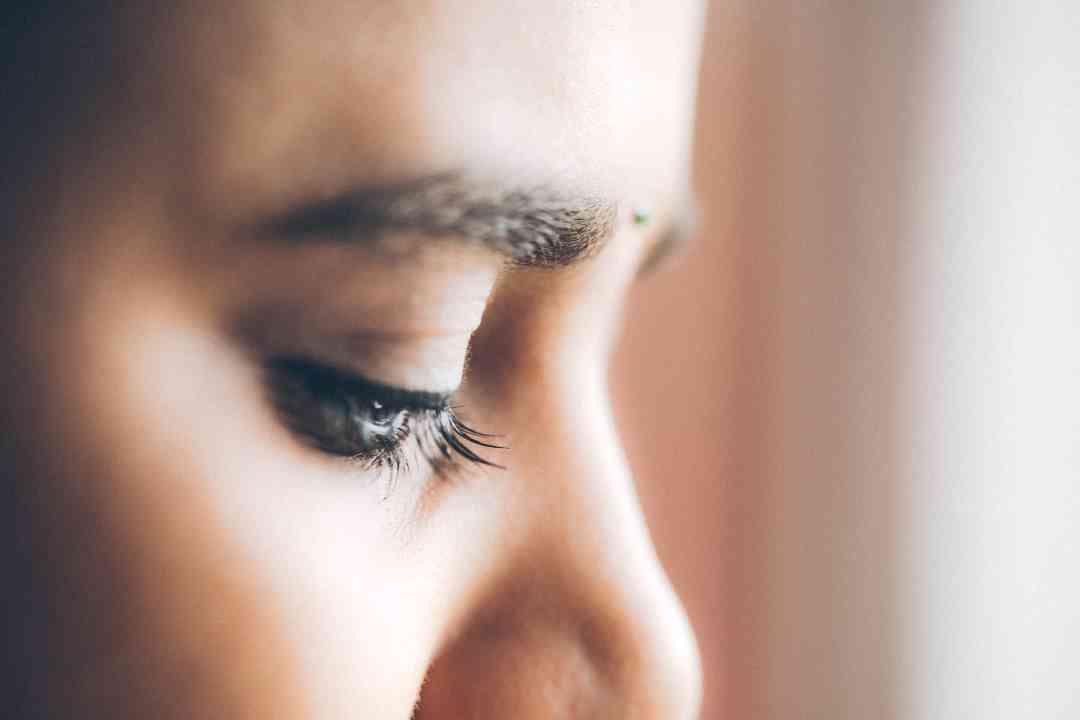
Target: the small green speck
(641, 218)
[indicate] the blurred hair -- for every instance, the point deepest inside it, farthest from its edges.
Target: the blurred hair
(51, 60)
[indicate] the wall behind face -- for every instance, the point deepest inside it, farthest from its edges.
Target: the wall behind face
(992, 578)
(854, 406)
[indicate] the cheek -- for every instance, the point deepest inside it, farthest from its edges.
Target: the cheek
(154, 605)
(228, 571)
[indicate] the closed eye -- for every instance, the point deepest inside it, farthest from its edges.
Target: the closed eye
(376, 425)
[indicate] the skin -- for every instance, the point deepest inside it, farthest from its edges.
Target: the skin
(184, 554)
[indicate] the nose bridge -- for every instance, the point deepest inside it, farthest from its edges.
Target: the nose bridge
(615, 584)
(583, 622)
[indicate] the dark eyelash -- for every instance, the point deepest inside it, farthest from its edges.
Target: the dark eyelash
(345, 415)
(446, 438)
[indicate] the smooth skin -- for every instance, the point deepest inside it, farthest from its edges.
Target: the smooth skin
(184, 555)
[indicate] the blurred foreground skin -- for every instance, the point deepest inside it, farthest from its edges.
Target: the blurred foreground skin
(184, 550)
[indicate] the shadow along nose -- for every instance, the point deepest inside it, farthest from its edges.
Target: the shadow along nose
(581, 622)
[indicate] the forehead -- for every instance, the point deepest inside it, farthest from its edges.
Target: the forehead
(599, 92)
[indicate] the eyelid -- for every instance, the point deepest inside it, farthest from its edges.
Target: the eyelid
(431, 364)
(435, 364)
(331, 377)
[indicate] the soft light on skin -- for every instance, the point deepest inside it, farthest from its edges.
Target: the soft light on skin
(203, 560)
(399, 320)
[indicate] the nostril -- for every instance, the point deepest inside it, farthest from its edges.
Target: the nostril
(543, 653)
(535, 676)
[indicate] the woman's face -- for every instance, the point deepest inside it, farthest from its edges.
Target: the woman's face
(279, 266)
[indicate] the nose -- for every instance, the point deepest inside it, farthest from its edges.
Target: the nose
(581, 621)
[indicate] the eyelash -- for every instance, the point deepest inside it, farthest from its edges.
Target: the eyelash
(344, 415)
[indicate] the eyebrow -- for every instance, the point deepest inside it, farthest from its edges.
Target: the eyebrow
(538, 227)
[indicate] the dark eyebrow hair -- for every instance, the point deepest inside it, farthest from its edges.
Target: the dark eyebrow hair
(539, 227)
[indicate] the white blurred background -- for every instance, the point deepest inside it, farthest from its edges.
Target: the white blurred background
(864, 477)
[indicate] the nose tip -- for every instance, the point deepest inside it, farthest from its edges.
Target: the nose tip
(686, 677)
(665, 664)
(541, 652)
